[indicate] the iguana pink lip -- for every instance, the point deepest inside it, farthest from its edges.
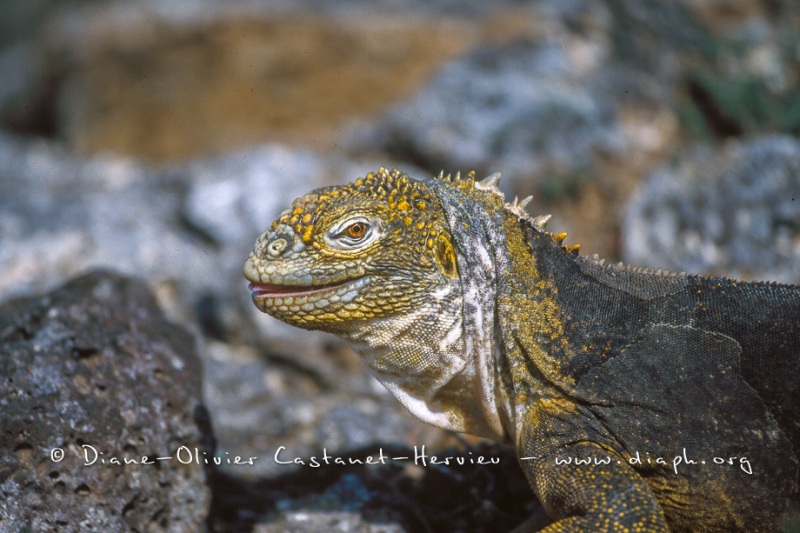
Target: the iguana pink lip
(265, 290)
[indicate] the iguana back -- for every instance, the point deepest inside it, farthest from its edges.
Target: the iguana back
(690, 367)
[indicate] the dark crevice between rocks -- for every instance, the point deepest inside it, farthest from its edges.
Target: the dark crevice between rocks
(85, 352)
(18, 334)
(205, 237)
(719, 123)
(130, 506)
(774, 8)
(37, 114)
(24, 453)
(207, 311)
(160, 517)
(440, 498)
(294, 366)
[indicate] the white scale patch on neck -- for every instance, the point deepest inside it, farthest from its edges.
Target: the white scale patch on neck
(419, 356)
(480, 251)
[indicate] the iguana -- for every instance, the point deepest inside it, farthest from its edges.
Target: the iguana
(682, 391)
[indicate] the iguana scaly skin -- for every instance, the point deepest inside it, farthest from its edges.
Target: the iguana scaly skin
(478, 320)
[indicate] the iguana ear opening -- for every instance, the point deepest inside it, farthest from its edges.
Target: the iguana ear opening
(446, 256)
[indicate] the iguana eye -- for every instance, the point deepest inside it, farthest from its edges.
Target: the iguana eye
(356, 230)
(353, 234)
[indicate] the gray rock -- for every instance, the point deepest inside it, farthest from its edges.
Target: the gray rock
(733, 212)
(550, 104)
(94, 377)
(260, 404)
(187, 230)
(395, 495)
(521, 108)
(64, 215)
(339, 508)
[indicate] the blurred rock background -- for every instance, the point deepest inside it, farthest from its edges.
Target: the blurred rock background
(159, 139)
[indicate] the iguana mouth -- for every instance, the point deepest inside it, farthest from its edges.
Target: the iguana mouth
(303, 302)
(266, 290)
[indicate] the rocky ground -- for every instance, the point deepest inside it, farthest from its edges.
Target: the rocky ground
(96, 387)
(159, 139)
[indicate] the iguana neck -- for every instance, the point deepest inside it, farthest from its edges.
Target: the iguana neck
(421, 359)
(440, 360)
(476, 226)
(513, 328)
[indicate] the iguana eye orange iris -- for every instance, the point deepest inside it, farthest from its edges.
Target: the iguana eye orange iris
(357, 230)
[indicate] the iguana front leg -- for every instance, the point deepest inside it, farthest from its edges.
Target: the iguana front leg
(591, 497)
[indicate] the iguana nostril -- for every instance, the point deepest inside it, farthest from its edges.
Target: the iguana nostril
(276, 247)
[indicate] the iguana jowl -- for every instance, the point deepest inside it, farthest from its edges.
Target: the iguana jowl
(480, 321)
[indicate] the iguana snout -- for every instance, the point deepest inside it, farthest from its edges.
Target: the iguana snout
(288, 284)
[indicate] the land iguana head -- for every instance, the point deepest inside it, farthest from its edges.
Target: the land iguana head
(405, 271)
(341, 257)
